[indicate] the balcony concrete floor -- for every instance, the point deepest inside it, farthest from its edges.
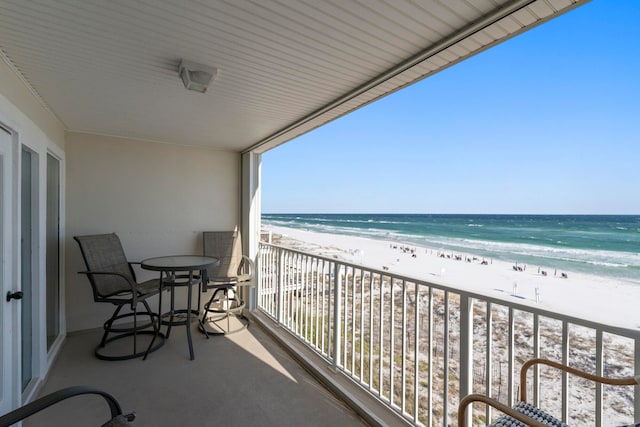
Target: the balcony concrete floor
(241, 379)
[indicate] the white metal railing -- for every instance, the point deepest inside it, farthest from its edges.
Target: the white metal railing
(419, 347)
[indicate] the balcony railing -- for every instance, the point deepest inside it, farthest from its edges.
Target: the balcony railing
(420, 347)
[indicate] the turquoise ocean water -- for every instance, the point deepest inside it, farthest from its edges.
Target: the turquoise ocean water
(604, 245)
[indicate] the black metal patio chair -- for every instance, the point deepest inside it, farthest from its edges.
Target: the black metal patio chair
(113, 281)
(234, 269)
(118, 419)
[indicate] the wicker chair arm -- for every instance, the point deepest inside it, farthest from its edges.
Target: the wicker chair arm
(467, 400)
(574, 371)
(44, 402)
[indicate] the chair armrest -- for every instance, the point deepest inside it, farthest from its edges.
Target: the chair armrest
(112, 273)
(44, 402)
(247, 266)
(569, 369)
(467, 400)
(133, 270)
(132, 286)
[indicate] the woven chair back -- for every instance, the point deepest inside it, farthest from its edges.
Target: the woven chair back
(103, 252)
(227, 247)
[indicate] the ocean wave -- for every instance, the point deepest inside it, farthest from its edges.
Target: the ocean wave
(312, 220)
(556, 259)
(545, 254)
(608, 264)
(566, 250)
(503, 249)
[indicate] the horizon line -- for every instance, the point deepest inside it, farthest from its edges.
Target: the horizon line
(442, 213)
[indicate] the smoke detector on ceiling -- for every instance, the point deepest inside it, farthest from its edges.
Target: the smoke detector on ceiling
(196, 77)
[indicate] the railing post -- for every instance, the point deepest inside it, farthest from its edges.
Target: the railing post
(636, 389)
(326, 320)
(337, 303)
(600, 372)
(280, 284)
(466, 350)
(565, 375)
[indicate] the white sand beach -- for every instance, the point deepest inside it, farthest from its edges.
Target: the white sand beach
(600, 299)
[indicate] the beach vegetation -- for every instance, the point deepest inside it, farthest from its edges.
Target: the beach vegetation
(380, 317)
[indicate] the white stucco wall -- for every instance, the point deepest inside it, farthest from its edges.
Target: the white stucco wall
(158, 198)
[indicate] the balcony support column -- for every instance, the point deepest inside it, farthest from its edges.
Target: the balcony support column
(466, 350)
(250, 220)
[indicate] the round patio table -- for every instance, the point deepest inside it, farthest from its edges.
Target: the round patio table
(169, 267)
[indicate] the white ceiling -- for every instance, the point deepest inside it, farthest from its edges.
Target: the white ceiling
(285, 67)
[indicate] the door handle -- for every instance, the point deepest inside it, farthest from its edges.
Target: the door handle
(14, 295)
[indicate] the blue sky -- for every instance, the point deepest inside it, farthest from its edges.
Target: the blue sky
(547, 122)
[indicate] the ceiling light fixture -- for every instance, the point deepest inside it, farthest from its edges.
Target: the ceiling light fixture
(196, 77)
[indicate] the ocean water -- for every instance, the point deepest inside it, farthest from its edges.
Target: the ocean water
(604, 245)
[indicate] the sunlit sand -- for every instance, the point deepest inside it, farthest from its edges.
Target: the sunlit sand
(611, 301)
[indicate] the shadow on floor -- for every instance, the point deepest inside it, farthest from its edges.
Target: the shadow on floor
(241, 379)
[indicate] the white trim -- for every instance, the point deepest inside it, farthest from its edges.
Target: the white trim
(38, 279)
(57, 344)
(10, 360)
(30, 88)
(26, 133)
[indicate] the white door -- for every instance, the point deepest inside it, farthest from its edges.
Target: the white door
(9, 310)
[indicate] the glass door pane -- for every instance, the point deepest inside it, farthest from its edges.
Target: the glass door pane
(53, 249)
(26, 251)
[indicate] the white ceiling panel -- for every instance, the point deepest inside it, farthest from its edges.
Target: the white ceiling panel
(285, 66)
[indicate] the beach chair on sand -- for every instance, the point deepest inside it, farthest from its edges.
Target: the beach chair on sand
(524, 413)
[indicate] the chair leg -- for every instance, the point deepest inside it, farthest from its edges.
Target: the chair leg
(135, 329)
(212, 299)
(151, 314)
(121, 332)
(223, 313)
(171, 310)
(228, 308)
(156, 331)
(107, 325)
